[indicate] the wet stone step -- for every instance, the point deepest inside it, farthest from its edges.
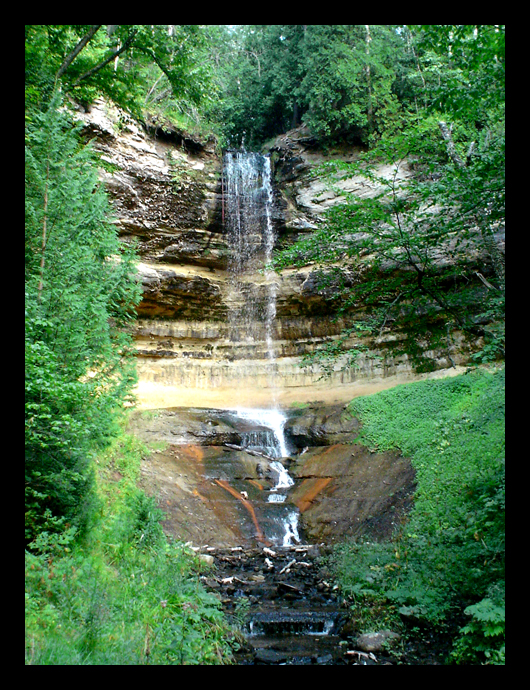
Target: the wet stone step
(293, 649)
(283, 622)
(289, 658)
(293, 615)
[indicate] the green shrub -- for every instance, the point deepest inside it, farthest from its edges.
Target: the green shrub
(122, 594)
(483, 638)
(451, 551)
(80, 297)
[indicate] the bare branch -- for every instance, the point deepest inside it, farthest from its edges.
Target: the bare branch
(451, 148)
(470, 152)
(486, 283)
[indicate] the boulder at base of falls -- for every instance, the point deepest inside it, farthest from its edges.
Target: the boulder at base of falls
(374, 642)
(320, 425)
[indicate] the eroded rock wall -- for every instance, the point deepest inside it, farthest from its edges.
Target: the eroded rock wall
(341, 489)
(166, 191)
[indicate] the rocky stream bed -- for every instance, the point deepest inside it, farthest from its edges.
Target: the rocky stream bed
(224, 498)
(287, 608)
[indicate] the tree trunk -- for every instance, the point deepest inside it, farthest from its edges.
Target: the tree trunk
(75, 52)
(295, 120)
(451, 149)
(44, 234)
(110, 58)
(370, 112)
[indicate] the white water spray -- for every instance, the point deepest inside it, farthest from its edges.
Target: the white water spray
(271, 419)
(275, 421)
(291, 529)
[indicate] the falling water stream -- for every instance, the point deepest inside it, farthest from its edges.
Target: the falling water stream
(248, 196)
(292, 617)
(273, 444)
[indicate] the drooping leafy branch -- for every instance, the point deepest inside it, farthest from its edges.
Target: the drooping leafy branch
(121, 62)
(421, 250)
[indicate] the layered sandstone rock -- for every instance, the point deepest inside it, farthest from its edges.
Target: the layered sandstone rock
(167, 194)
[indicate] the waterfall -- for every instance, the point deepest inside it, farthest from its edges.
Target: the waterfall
(250, 234)
(273, 420)
(249, 200)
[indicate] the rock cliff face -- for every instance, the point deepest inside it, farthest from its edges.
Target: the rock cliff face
(340, 489)
(166, 191)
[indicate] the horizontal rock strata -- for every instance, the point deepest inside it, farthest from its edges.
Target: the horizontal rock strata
(166, 190)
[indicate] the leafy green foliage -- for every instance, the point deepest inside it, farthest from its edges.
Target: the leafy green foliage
(422, 255)
(463, 67)
(355, 83)
(416, 252)
(347, 86)
(336, 79)
(449, 556)
(123, 595)
(139, 67)
(484, 636)
(80, 296)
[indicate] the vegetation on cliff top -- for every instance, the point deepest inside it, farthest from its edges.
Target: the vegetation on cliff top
(142, 68)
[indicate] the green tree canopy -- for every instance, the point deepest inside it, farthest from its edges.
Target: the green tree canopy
(425, 257)
(338, 79)
(137, 66)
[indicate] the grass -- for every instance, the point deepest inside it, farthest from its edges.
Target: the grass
(446, 563)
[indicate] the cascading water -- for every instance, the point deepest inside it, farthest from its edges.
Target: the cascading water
(249, 198)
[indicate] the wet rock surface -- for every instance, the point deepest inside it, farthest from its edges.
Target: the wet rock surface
(287, 608)
(320, 425)
(209, 470)
(345, 491)
(217, 483)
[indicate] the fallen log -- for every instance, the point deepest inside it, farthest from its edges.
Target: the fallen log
(256, 453)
